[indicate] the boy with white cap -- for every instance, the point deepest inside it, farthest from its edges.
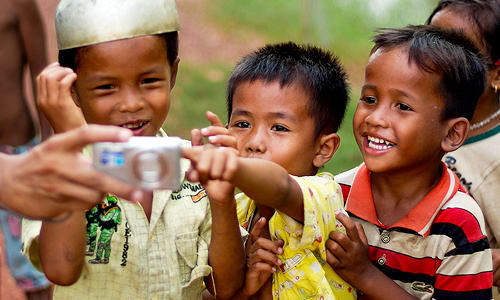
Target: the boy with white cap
(118, 64)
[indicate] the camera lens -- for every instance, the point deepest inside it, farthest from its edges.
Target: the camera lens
(150, 166)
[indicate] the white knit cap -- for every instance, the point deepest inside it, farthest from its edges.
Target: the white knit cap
(87, 22)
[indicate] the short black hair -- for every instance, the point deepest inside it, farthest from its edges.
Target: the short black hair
(318, 71)
(484, 15)
(446, 53)
(70, 58)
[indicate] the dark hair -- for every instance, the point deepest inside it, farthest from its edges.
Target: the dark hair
(446, 53)
(70, 58)
(318, 71)
(484, 15)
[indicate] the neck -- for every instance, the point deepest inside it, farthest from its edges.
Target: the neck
(487, 105)
(396, 193)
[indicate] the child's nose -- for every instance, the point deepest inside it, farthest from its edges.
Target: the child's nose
(131, 101)
(256, 144)
(378, 117)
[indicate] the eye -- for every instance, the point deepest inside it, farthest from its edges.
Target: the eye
(403, 107)
(105, 87)
(150, 80)
(242, 124)
(279, 128)
(369, 99)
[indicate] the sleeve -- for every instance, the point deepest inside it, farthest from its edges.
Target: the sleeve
(466, 269)
(322, 199)
(30, 233)
(486, 195)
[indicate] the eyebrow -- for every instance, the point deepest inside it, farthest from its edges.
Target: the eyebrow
(273, 115)
(154, 69)
(398, 91)
(281, 115)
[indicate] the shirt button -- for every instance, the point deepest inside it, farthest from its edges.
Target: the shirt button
(381, 260)
(385, 237)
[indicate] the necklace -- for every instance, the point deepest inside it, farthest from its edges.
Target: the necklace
(485, 121)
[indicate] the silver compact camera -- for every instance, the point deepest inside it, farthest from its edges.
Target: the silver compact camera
(146, 162)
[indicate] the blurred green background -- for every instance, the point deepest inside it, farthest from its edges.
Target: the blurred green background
(216, 33)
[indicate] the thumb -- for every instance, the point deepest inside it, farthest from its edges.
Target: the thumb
(196, 138)
(77, 139)
(192, 153)
(361, 233)
(213, 119)
(255, 234)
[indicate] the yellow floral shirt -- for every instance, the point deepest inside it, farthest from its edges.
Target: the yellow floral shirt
(305, 274)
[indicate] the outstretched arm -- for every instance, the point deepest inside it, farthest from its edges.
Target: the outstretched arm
(55, 177)
(266, 182)
(225, 254)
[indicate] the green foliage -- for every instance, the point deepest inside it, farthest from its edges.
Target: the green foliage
(343, 26)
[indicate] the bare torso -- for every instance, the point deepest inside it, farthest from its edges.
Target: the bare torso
(16, 126)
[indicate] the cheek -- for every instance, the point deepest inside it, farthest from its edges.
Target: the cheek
(160, 102)
(97, 110)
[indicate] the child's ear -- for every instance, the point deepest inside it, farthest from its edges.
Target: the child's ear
(457, 131)
(327, 146)
(173, 73)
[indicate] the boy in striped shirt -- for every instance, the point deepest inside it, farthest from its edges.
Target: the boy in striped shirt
(418, 234)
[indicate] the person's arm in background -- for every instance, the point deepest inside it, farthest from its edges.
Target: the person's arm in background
(55, 178)
(33, 40)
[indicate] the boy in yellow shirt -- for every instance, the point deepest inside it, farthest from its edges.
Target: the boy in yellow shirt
(285, 105)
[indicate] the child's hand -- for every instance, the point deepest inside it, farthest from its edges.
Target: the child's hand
(211, 163)
(217, 134)
(261, 259)
(348, 253)
(54, 98)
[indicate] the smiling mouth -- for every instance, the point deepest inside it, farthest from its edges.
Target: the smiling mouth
(378, 143)
(135, 125)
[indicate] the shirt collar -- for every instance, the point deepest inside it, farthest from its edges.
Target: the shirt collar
(419, 219)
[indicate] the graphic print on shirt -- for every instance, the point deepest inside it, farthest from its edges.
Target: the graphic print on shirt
(450, 162)
(187, 189)
(104, 219)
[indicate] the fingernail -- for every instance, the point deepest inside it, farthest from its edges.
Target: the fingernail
(212, 139)
(204, 130)
(273, 269)
(280, 250)
(279, 262)
(136, 196)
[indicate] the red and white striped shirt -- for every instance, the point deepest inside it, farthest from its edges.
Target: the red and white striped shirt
(439, 250)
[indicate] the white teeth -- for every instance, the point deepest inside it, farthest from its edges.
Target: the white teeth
(132, 126)
(378, 147)
(379, 141)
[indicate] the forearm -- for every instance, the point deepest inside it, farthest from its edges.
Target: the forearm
(226, 253)
(269, 184)
(62, 249)
(375, 285)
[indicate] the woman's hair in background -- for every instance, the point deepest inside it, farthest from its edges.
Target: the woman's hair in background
(484, 15)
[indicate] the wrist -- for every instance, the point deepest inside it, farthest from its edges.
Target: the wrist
(369, 280)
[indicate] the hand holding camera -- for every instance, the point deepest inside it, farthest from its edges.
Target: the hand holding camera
(146, 162)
